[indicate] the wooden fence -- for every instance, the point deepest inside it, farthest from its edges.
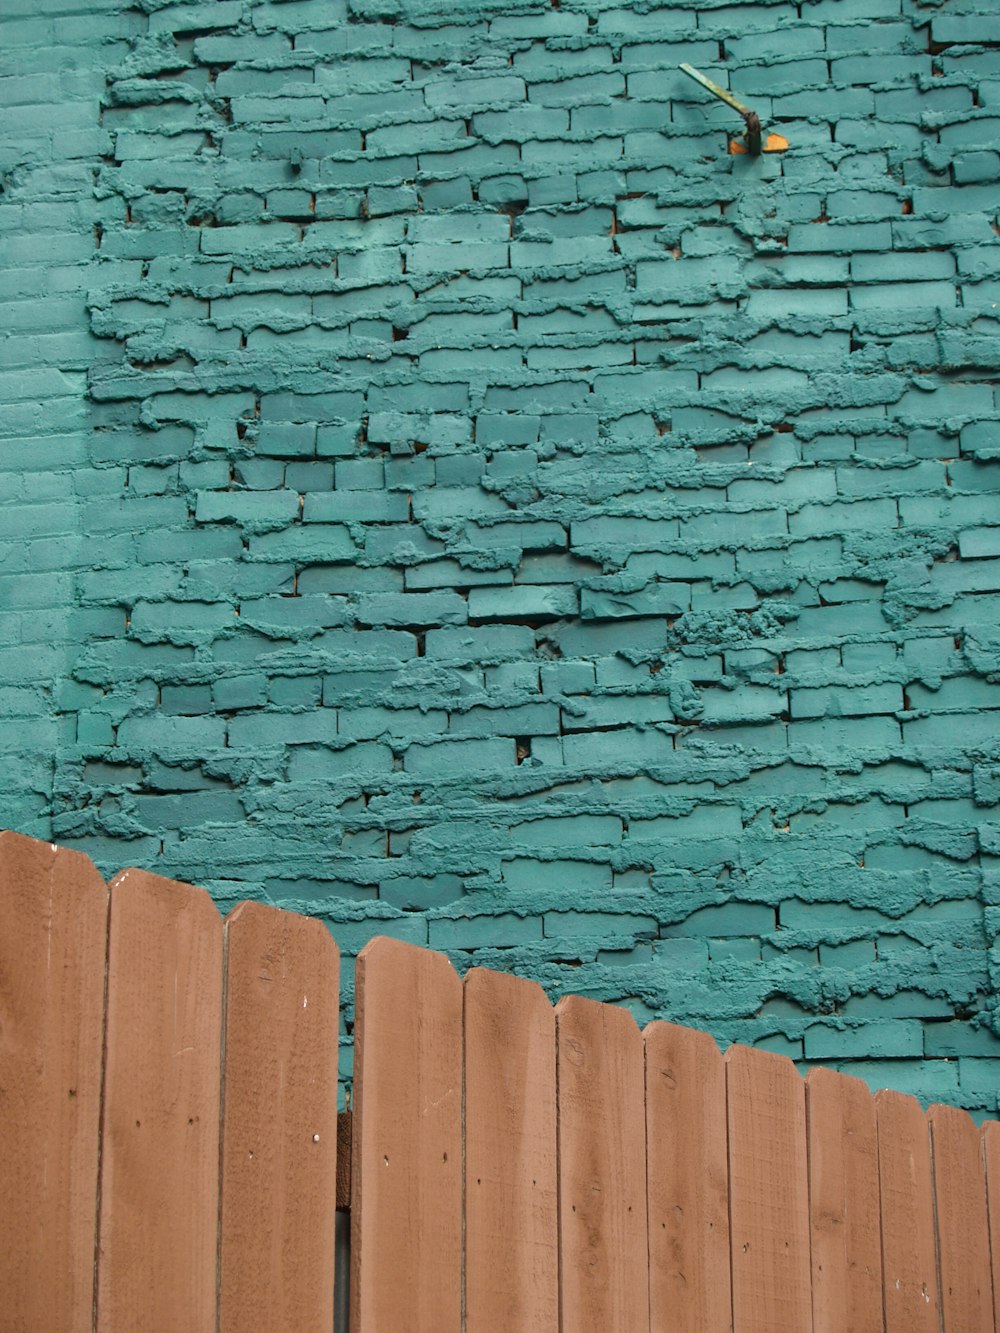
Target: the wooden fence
(513, 1167)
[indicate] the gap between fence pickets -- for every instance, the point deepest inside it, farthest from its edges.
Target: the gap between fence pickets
(345, 1135)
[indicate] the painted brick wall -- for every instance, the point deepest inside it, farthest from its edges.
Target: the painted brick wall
(446, 492)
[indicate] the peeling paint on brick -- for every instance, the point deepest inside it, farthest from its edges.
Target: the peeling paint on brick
(447, 493)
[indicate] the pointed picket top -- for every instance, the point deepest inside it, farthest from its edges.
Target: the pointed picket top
(604, 1280)
(991, 1166)
(961, 1216)
(279, 1134)
(844, 1202)
(688, 1180)
(769, 1192)
(907, 1208)
(160, 1154)
(406, 1214)
(511, 1219)
(53, 940)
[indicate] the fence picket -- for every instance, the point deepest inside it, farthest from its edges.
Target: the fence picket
(53, 939)
(843, 1204)
(279, 1131)
(907, 1209)
(160, 1163)
(406, 1210)
(512, 1166)
(769, 1193)
(512, 1259)
(688, 1181)
(962, 1223)
(604, 1264)
(991, 1163)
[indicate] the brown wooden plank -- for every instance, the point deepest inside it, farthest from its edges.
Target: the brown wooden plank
(769, 1193)
(604, 1273)
(160, 1160)
(991, 1162)
(962, 1222)
(688, 1181)
(53, 941)
(279, 1126)
(843, 1204)
(406, 1203)
(907, 1207)
(511, 1237)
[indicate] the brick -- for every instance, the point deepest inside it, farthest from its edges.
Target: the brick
(256, 512)
(432, 608)
(500, 930)
(453, 759)
(894, 1040)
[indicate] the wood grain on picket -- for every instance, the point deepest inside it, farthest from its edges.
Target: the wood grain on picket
(406, 1212)
(512, 1257)
(160, 1161)
(769, 1193)
(604, 1277)
(279, 1129)
(688, 1181)
(991, 1164)
(843, 1204)
(907, 1209)
(53, 940)
(962, 1222)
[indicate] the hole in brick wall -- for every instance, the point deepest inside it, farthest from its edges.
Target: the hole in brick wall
(399, 334)
(907, 207)
(523, 748)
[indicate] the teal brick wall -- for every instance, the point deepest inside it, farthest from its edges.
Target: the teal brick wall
(446, 492)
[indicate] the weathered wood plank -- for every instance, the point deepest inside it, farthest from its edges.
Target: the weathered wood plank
(769, 1193)
(991, 1163)
(512, 1257)
(688, 1181)
(844, 1204)
(907, 1208)
(962, 1222)
(53, 941)
(279, 1128)
(406, 1210)
(160, 1155)
(604, 1262)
